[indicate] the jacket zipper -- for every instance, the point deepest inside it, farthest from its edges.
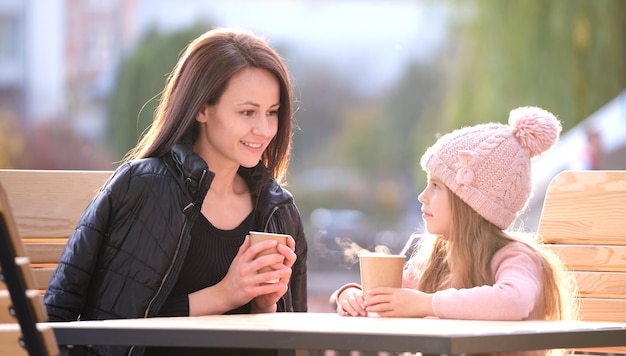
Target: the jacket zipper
(180, 240)
(169, 270)
(267, 222)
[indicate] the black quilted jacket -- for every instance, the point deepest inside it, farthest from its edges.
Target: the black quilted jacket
(127, 250)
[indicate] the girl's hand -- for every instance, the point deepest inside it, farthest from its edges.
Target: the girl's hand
(399, 302)
(350, 302)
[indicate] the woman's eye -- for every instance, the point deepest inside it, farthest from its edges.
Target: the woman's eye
(247, 112)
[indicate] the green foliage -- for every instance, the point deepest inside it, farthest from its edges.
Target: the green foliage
(141, 79)
(378, 139)
(382, 136)
(566, 56)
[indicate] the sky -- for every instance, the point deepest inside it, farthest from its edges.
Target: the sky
(373, 36)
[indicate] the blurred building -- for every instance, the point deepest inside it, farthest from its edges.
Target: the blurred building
(31, 72)
(57, 57)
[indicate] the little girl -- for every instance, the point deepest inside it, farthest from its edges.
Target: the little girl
(479, 179)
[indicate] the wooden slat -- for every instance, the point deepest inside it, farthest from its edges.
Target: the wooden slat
(29, 304)
(48, 204)
(592, 257)
(5, 304)
(23, 263)
(36, 302)
(599, 309)
(44, 252)
(584, 222)
(10, 335)
(585, 207)
(49, 340)
(41, 277)
(46, 257)
(6, 214)
(601, 284)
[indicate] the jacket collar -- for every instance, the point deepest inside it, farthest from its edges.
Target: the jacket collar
(194, 176)
(267, 194)
(190, 170)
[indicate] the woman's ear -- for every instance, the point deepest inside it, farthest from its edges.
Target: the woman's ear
(203, 115)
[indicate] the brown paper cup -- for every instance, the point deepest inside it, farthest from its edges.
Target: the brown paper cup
(380, 270)
(256, 236)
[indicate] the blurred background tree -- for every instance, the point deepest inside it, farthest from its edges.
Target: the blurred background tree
(567, 56)
(140, 80)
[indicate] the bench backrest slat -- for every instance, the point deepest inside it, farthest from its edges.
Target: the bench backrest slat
(22, 303)
(46, 205)
(584, 222)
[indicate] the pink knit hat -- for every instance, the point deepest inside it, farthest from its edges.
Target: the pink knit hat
(488, 165)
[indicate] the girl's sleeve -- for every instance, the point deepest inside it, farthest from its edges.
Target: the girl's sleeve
(517, 291)
(67, 290)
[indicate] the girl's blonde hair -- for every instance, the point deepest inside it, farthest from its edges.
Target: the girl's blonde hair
(463, 260)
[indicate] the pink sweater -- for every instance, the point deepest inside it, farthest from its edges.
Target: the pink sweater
(516, 294)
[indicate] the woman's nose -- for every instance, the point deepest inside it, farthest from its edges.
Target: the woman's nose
(263, 126)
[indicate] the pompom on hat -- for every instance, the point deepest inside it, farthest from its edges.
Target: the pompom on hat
(488, 165)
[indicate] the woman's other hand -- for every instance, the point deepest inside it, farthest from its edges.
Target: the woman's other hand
(266, 303)
(243, 283)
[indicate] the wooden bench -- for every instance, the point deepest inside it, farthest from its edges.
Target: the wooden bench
(21, 306)
(584, 221)
(46, 206)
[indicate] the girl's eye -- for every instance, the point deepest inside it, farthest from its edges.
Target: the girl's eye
(273, 113)
(247, 113)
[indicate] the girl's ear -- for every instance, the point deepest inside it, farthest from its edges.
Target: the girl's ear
(203, 115)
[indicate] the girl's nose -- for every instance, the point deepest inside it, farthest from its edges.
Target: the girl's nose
(422, 197)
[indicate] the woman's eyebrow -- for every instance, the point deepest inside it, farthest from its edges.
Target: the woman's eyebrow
(255, 104)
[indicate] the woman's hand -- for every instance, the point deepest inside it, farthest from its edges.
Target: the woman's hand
(399, 302)
(266, 303)
(243, 283)
(350, 302)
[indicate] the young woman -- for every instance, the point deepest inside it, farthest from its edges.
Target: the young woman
(479, 179)
(167, 234)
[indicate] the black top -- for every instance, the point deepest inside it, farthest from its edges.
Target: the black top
(210, 254)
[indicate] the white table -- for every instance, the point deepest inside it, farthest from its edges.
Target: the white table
(328, 331)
